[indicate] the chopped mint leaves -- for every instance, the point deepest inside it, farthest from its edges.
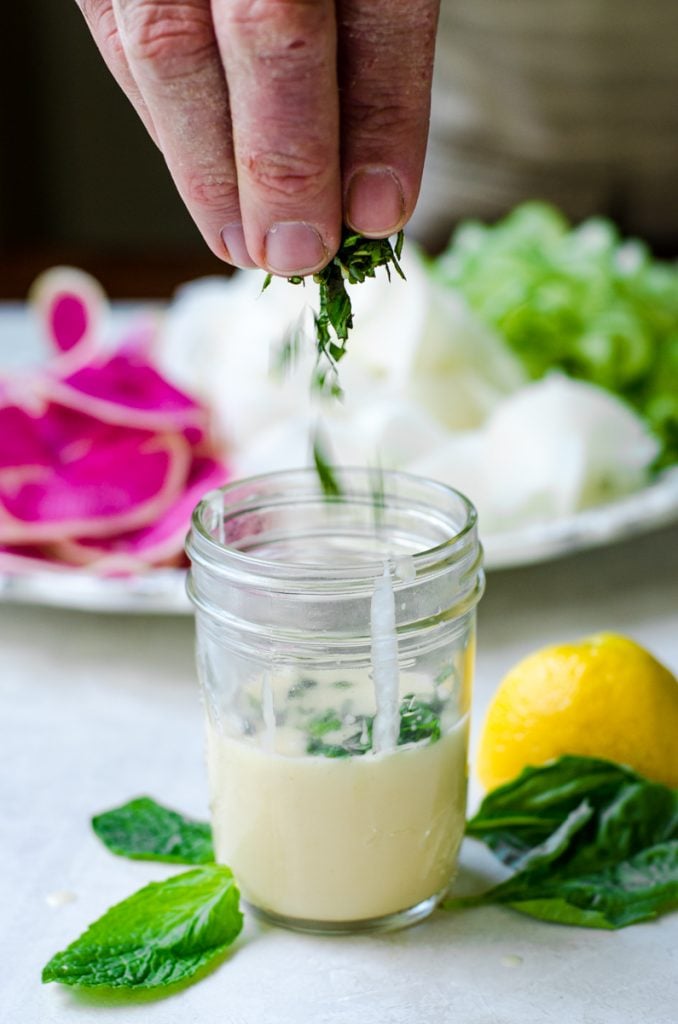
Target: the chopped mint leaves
(328, 721)
(325, 471)
(419, 721)
(301, 687)
(357, 259)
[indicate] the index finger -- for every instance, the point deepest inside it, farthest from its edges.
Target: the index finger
(280, 62)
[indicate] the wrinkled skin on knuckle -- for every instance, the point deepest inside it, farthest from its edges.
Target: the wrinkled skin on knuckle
(284, 37)
(260, 18)
(210, 191)
(387, 65)
(169, 37)
(296, 176)
(376, 43)
(100, 18)
(108, 37)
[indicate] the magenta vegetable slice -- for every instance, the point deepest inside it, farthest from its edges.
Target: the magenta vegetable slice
(102, 459)
(70, 305)
(63, 472)
(126, 388)
(161, 541)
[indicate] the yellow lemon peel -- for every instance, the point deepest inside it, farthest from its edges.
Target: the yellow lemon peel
(604, 696)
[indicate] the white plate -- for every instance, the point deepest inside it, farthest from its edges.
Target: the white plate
(646, 510)
(163, 591)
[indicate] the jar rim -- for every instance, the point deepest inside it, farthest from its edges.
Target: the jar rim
(203, 547)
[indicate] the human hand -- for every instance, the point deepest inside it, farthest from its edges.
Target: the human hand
(279, 119)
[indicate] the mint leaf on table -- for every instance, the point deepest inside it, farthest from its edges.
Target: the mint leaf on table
(145, 830)
(592, 844)
(161, 935)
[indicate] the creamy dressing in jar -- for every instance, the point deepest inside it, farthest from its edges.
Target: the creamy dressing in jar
(335, 653)
(320, 827)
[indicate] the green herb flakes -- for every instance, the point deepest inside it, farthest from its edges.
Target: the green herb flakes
(357, 259)
(330, 735)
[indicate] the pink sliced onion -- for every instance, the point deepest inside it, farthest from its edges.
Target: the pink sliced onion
(16, 559)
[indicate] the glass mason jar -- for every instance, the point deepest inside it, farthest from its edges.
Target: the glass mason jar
(335, 648)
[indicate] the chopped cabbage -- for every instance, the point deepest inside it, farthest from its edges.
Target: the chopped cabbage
(581, 300)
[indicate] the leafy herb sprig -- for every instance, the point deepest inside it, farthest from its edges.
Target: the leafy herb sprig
(591, 843)
(167, 933)
(357, 259)
(161, 935)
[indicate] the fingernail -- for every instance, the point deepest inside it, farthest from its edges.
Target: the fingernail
(376, 205)
(233, 238)
(294, 248)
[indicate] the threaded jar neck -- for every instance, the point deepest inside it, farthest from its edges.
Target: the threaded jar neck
(273, 552)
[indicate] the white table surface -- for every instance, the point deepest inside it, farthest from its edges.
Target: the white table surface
(97, 709)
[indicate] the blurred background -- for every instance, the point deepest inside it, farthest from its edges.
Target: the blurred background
(574, 102)
(80, 181)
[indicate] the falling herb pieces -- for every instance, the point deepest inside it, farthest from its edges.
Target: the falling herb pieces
(592, 844)
(145, 830)
(325, 471)
(357, 259)
(162, 935)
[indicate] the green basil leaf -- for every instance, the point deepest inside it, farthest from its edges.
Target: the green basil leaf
(559, 842)
(145, 830)
(518, 816)
(592, 844)
(161, 935)
(641, 815)
(632, 890)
